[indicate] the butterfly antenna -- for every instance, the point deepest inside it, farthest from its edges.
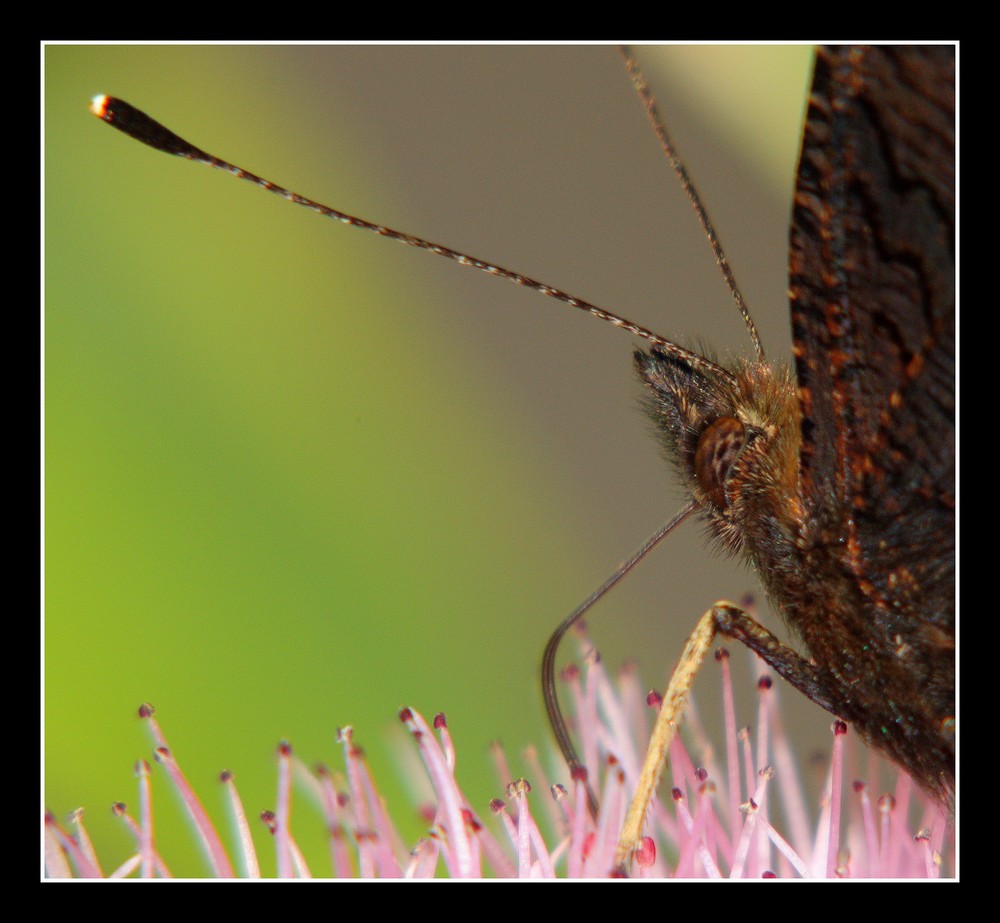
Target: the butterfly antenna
(667, 146)
(126, 118)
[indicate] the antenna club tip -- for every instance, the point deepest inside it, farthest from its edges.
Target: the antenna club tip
(99, 105)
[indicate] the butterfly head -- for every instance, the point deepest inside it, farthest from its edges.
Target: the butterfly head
(735, 443)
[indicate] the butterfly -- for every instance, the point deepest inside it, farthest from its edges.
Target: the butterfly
(838, 486)
(845, 689)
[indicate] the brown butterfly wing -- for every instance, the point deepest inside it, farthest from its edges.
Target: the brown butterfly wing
(873, 315)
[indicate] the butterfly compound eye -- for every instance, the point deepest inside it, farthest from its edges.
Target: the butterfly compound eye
(718, 448)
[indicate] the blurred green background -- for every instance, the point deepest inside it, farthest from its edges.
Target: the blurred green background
(297, 476)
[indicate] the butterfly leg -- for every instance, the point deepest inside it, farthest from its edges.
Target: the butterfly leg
(723, 618)
(787, 663)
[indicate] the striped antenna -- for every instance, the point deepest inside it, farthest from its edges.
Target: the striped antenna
(126, 118)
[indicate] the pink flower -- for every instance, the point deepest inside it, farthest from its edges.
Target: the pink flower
(745, 817)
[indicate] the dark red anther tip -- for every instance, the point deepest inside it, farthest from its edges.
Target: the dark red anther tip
(645, 852)
(145, 710)
(440, 721)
